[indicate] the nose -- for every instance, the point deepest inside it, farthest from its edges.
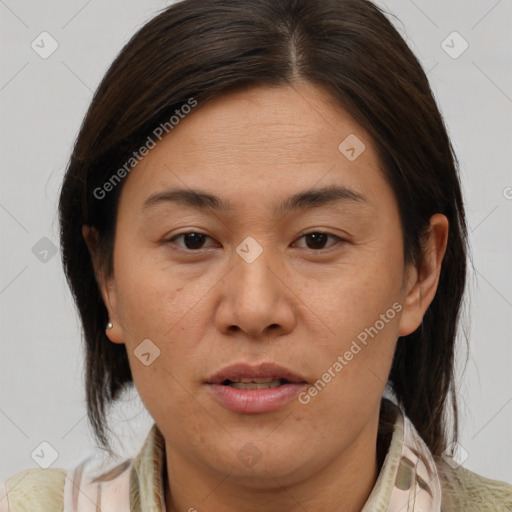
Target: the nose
(257, 300)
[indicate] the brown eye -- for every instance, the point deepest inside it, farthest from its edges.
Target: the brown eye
(191, 241)
(317, 240)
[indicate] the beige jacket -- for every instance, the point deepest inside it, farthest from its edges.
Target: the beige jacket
(409, 480)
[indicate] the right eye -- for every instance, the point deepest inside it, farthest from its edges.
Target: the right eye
(192, 240)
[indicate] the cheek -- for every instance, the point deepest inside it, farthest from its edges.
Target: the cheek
(157, 316)
(351, 367)
(168, 399)
(360, 307)
(152, 296)
(353, 297)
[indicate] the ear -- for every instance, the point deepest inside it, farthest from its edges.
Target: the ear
(423, 277)
(106, 284)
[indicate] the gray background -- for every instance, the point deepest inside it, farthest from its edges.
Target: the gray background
(42, 104)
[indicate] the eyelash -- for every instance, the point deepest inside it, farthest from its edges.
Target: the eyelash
(337, 238)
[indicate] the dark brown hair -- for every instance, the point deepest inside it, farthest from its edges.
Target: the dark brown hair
(200, 49)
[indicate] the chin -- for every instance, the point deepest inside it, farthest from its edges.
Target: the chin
(261, 464)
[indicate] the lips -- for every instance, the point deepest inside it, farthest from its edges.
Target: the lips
(244, 388)
(264, 373)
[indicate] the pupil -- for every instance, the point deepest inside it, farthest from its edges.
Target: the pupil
(194, 240)
(318, 239)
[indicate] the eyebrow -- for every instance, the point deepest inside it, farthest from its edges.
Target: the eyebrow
(307, 199)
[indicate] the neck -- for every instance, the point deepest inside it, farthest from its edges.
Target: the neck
(344, 483)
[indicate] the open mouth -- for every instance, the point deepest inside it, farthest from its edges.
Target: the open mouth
(254, 388)
(255, 383)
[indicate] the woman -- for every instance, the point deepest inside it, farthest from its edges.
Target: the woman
(263, 229)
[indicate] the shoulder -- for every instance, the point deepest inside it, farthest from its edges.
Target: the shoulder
(464, 490)
(37, 490)
(78, 489)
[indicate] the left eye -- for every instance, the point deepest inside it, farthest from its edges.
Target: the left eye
(317, 240)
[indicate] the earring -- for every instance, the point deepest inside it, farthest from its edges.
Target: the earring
(110, 325)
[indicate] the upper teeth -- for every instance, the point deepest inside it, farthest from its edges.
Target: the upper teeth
(257, 380)
(255, 383)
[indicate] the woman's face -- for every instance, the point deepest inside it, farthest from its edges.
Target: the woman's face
(295, 272)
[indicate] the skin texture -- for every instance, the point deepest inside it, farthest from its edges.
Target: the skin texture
(298, 304)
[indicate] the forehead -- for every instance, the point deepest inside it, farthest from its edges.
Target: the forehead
(279, 125)
(262, 143)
